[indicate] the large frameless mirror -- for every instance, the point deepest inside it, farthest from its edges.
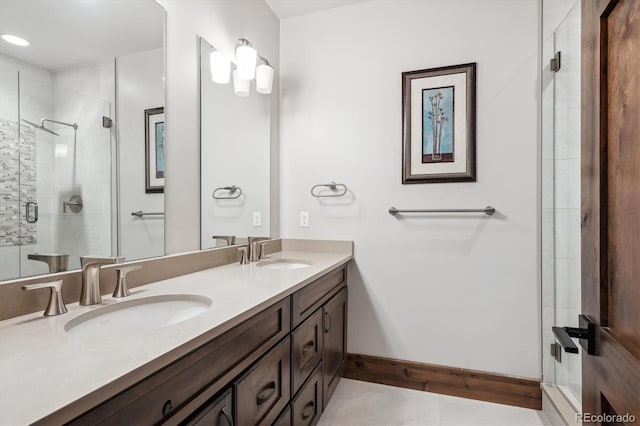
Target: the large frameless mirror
(81, 132)
(235, 152)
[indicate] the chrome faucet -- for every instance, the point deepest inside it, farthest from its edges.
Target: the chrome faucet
(90, 292)
(256, 248)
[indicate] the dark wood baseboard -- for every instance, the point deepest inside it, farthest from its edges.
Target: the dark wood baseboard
(460, 382)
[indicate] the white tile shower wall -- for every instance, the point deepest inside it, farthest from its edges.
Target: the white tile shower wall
(221, 23)
(461, 290)
(34, 104)
(83, 95)
(140, 87)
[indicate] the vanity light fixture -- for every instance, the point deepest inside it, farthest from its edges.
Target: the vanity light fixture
(241, 87)
(15, 40)
(264, 76)
(246, 57)
(220, 67)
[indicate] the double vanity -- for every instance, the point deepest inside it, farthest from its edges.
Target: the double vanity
(260, 343)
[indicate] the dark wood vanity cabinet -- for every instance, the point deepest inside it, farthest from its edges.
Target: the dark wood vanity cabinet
(279, 367)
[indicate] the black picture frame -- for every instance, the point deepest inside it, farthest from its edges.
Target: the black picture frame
(419, 165)
(154, 150)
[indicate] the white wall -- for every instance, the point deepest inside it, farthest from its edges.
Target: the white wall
(220, 22)
(140, 87)
(452, 290)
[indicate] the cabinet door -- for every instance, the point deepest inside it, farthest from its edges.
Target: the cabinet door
(335, 342)
(284, 419)
(263, 391)
(307, 406)
(216, 413)
(306, 349)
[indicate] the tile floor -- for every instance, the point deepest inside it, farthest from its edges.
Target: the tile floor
(370, 404)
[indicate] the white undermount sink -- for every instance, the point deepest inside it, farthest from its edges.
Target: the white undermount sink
(284, 264)
(138, 315)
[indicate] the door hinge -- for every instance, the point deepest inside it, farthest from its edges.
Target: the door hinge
(107, 123)
(554, 64)
(556, 351)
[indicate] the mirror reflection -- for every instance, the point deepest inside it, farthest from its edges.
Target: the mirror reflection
(77, 150)
(235, 149)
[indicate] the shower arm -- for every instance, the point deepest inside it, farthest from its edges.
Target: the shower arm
(44, 120)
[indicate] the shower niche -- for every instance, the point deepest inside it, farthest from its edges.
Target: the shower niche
(72, 132)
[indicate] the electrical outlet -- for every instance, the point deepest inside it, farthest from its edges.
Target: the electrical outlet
(257, 219)
(304, 219)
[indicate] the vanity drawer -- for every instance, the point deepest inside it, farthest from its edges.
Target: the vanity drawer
(193, 379)
(307, 405)
(219, 412)
(306, 349)
(311, 297)
(262, 392)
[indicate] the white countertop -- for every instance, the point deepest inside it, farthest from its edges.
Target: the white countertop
(43, 368)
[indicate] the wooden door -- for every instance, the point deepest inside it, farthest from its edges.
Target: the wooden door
(611, 205)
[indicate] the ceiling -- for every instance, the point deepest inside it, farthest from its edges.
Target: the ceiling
(287, 8)
(71, 32)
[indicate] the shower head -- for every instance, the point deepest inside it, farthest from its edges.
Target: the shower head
(40, 127)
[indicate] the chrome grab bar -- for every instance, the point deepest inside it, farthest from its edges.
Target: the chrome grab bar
(140, 213)
(487, 210)
(231, 189)
(339, 190)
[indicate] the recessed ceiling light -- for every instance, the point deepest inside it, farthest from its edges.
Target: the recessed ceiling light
(14, 39)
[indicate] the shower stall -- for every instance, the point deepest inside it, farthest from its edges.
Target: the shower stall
(561, 256)
(56, 163)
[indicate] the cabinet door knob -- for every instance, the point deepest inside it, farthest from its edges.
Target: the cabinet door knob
(308, 410)
(308, 347)
(266, 392)
(327, 328)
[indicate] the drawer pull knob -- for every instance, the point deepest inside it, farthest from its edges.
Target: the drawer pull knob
(266, 393)
(227, 416)
(327, 328)
(308, 410)
(166, 408)
(308, 347)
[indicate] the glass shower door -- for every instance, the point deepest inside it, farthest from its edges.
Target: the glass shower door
(566, 197)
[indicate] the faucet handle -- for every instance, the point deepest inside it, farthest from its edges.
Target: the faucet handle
(261, 249)
(56, 304)
(244, 254)
(122, 290)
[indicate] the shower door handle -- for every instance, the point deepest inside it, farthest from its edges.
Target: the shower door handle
(586, 333)
(31, 212)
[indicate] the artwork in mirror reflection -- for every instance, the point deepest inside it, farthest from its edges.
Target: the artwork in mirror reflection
(71, 126)
(235, 160)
